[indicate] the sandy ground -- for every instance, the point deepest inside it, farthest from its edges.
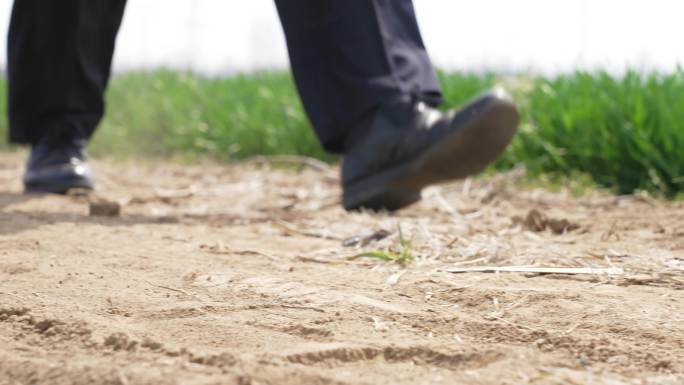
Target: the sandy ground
(242, 275)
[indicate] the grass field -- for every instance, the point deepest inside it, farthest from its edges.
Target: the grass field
(626, 133)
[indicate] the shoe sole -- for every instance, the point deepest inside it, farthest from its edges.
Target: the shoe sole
(465, 152)
(56, 188)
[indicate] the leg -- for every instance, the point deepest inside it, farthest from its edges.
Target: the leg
(368, 86)
(60, 54)
(351, 56)
(59, 62)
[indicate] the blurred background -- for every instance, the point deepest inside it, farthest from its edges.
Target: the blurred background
(219, 36)
(598, 82)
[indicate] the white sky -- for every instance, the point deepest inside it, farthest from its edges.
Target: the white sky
(216, 36)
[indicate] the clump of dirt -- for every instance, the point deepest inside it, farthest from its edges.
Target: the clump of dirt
(7, 312)
(99, 207)
(220, 360)
(537, 221)
(15, 268)
(309, 332)
(121, 341)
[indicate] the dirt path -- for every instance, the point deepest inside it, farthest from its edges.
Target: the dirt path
(238, 275)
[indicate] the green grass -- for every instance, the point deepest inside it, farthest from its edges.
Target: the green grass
(624, 132)
(627, 133)
(167, 112)
(402, 256)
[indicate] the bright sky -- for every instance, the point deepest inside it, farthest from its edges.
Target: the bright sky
(216, 36)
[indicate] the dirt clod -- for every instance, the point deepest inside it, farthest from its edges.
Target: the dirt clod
(120, 341)
(103, 208)
(151, 344)
(537, 221)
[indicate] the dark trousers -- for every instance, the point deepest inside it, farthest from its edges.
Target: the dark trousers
(347, 56)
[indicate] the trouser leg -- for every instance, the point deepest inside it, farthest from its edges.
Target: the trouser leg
(59, 59)
(350, 56)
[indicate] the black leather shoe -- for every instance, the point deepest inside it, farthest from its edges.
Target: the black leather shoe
(57, 166)
(410, 146)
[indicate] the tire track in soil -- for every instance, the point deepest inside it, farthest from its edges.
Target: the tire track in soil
(49, 335)
(418, 355)
(487, 324)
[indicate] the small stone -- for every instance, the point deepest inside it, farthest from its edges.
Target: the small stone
(104, 208)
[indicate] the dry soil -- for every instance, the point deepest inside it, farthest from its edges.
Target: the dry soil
(244, 274)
